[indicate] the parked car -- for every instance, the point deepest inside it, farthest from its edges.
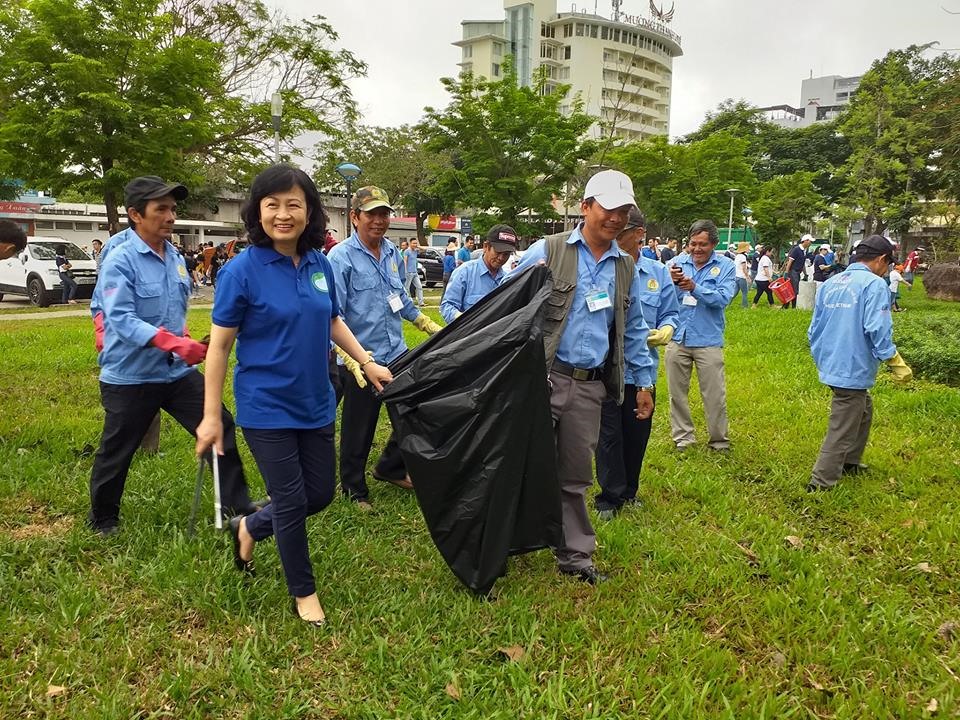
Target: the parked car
(432, 262)
(33, 272)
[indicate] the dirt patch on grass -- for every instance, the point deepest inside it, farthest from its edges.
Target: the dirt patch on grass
(38, 524)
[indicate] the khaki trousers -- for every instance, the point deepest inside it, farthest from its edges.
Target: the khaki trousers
(575, 408)
(680, 361)
(851, 413)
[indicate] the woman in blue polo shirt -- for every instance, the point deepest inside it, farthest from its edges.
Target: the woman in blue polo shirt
(278, 301)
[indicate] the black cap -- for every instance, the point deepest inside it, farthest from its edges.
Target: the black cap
(150, 187)
(635, 219)
(873, 246)
(502, 238)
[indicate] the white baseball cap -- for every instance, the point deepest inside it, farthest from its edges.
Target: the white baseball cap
(806, 237)
(610, 188)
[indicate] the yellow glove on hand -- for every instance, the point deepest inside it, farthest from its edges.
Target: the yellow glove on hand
(352, 365)
(426, 324)
(900, 370)
(660, 336)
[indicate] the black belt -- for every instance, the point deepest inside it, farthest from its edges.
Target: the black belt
(577, 373)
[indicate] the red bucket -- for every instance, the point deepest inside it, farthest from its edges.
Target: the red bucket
(782, 288)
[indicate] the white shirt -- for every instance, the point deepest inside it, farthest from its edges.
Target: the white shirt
(895, 279)
(765, 269)
(741, 263)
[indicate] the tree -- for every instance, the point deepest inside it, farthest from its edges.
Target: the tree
(818, 148)
(678, 184)
(894, 152)
(395, 159)
(511, 148)
(785, 206)
(97, 91)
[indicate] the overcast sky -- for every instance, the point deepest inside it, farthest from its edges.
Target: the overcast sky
(759, 50)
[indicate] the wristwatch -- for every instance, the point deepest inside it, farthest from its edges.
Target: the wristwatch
(646, 388)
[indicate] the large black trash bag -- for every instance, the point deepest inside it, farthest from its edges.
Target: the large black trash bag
(471, 409)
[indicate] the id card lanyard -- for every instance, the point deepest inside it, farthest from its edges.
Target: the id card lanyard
(394, 299)
(597, 297)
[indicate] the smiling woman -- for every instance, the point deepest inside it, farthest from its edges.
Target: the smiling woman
(279, 302)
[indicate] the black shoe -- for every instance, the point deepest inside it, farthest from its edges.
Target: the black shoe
(588, 575)
(607, 514)
(105, 531)
(854, 468)
(244, 566)
(315, 623)
(812, 487)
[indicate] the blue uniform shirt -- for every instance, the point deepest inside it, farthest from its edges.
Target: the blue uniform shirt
(468, 284)
(658, 300)
(585, 341)
(282, 314)
(410, 261)
(96, 301)
(449, 263)
(702, 324)
(363, 287)
(141, 292)
(851, 330)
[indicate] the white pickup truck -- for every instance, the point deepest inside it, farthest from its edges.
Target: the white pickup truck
(33, 271)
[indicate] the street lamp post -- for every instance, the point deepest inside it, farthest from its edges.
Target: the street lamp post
(349, 172)
(276, 112)
(733, 192)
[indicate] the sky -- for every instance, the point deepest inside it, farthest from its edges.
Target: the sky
(758, 50)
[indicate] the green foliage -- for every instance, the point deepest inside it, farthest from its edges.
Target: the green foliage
(817, 148)
(783, 208)
(101, 91)
(931, 342)
(511, 148)
(888, 125)
(678, 184)
(395, 159)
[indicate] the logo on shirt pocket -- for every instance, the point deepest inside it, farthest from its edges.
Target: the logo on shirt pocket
(319, 281)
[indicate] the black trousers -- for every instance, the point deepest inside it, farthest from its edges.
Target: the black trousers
(129, 410)
(620, 449)
(795, 282)
(358, 424)
(763, 286)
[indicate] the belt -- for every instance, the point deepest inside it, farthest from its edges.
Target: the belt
(577, 373)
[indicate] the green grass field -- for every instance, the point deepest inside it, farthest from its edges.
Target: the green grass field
(711, 610)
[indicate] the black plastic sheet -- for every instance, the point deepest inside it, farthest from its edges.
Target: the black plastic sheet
(471, 409)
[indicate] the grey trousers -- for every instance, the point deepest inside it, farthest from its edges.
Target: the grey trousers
(679, 363)
(851, 413)
(575, 409)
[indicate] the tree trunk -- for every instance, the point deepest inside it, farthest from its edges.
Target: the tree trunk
(110, 198)
(421, 216)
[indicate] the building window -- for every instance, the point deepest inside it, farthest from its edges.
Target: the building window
(616, 35)
(43, 224)
(603, 32)
(579, 31)
(497, 49)
(593, 31)
(467, 52)
(103, 227)
(60, 225)
(566, 52)
(496, 70)
(84, 226)
(568, 30)
(564, 73)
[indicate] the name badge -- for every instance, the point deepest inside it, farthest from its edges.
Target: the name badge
(689, 300)
(395, 302)
(598, 300)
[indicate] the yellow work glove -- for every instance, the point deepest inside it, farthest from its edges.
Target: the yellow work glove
(900, 370)
(660, 336)
(427, 325)
(352, 365)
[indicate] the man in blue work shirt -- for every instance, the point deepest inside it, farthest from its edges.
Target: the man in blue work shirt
(623, 438)
(595, 298)
(476, 278)
(412, 279)
(148, 357)
(369, 273)
(463, 254)
(705, 282)
(850, 334)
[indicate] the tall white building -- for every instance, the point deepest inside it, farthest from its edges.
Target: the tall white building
(621, 65)
(821, 99)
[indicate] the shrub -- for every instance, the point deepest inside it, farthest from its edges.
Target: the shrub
(930, 343)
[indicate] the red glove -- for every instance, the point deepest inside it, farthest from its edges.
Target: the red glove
(191, 351)
(98, 331)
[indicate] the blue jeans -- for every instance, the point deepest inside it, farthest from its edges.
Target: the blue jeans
(298, 468)
(743, 288)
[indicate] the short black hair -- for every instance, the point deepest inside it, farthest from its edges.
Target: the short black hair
(279, 178)
(60, 249)
(11, 233)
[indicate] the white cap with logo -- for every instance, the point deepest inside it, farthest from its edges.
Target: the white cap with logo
(611, 188)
